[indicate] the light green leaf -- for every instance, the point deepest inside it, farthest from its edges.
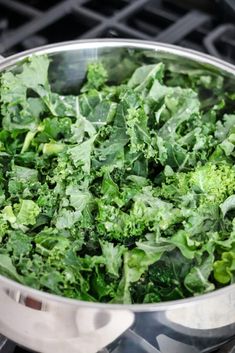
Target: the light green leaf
(228, 205)
(7, 268)
(28, 212)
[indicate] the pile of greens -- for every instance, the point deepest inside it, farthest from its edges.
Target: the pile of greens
(123, 193)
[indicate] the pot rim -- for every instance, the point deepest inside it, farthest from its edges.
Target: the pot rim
(131, 44)
(118, 43)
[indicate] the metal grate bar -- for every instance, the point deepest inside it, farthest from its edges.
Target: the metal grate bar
(88, 13)
(33, 26)
(161, 12)
(132, 32)
(220, 34)
(229, 348)
(2, 341)
(182, 27)
(130, 10)
(21, 8)
(113, 22)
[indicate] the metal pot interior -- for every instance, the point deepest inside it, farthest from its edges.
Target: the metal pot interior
(69, 63)
(66, 74)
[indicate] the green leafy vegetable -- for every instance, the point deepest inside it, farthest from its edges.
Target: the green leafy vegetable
(122, 193)
(224, 270)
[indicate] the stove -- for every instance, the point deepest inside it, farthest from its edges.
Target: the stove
(204, 25)
(133, 342)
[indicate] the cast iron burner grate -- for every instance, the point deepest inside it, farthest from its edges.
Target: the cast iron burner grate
(204, 25)
(137, 343)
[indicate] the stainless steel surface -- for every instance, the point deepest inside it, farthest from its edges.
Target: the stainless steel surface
(49, 323)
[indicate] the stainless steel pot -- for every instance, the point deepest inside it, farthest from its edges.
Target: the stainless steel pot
(52, 324)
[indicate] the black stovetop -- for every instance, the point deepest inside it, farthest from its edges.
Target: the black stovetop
(204, 25)
(133, 340)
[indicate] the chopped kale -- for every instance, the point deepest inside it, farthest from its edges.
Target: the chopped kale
(124, 193)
